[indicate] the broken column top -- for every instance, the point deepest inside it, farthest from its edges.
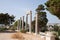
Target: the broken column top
(29, 12)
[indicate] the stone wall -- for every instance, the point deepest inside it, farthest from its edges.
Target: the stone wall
(47, 36)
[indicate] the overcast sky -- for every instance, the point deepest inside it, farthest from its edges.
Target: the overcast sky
(18, 8)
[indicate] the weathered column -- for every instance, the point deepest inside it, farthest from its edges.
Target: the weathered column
(26, 22)
(36, 24)
(20, 23)
(23, 23)
(30, 21)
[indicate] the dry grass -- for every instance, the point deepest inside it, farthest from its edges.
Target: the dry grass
(18, 36)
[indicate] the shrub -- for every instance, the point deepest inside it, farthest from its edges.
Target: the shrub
(56, 35)
(3, 29)
(59, 32)
(23, 31)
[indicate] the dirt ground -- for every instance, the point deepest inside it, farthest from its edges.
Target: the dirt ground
(7, 36)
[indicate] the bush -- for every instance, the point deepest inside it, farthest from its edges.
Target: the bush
(56, 35)
(59, 32)
(23, 31)
(13, 28)
(56, 38)
(3, 29)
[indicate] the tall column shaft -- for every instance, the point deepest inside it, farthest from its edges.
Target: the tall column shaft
(20, 23)
(30, 21)
(23, 23)
(36, 24)
(26, 21)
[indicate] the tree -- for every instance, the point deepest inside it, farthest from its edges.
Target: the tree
(53, 6)
(40, 8)
(42, 18)
(56, 27)
(6, 19)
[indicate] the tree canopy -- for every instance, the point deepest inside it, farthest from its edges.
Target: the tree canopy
(53, 6)
(42, 18)
(6, 19)
(40, 8)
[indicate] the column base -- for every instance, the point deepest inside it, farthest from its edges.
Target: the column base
(35, 33)
(29, 32)
(17, 30)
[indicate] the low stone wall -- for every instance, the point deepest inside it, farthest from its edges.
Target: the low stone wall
(40, 36)
(47, 36)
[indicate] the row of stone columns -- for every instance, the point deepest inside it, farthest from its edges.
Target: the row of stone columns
(47, 36)
(36, 23)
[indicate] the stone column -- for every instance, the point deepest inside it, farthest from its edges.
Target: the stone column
(30, 21)
(23, 23)
(26, 21)
(36, 24)
(20, 23)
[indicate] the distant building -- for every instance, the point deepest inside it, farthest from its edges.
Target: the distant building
(2, 25)
(50, 25)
